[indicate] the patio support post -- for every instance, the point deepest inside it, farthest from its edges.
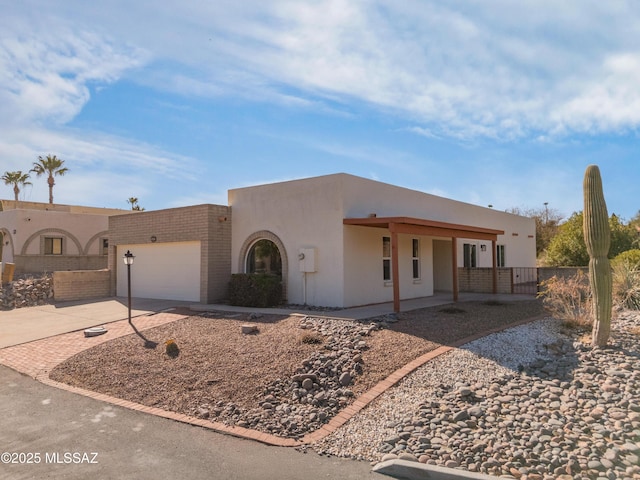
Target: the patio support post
(494, 262)
(395, 274)
(454, 262)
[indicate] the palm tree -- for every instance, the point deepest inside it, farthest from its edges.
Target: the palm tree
(16, 179)
(51, 165)
(134, 204)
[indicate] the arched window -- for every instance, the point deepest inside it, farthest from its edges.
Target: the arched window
(264, 257)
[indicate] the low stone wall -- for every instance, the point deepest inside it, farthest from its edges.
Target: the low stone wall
(26, 292)
(81, 285)
(545, 273)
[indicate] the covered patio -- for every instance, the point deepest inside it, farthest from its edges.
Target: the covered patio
(424, 227)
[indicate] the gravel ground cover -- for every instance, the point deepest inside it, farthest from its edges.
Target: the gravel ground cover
(533, 402)
(290, 377)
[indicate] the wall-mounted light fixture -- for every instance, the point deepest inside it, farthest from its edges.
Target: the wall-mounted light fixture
(483, 248)
(153, 239)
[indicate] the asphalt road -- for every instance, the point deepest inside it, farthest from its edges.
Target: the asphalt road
(68, 436)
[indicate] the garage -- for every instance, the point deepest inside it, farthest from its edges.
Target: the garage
(168, 271)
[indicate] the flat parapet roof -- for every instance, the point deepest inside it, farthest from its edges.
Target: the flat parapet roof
(421, 226)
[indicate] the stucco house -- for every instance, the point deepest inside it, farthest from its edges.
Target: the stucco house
(336, 240)
(43, 237)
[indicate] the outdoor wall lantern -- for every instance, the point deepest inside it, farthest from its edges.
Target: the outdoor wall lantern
(483, 248)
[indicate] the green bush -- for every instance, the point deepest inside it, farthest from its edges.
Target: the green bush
(255, 290)
(630, 257)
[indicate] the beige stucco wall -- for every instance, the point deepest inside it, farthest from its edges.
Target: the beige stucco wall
(309, 213)
(301, 214)
(24, 231)
(363, 197)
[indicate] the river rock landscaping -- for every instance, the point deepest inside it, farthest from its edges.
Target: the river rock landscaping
(533, 402)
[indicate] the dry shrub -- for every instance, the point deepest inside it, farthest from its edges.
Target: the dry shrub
(626, 285)
(171, 348)
(568, 299)
(311, 338)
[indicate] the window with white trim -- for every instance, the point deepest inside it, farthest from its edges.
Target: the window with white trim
(469, 255)
(386, 259)
(415, 258)
(500, 257)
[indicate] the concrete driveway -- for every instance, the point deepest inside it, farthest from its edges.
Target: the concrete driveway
(23, 325)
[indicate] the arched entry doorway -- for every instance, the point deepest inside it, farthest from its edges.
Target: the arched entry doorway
(264, 257)
(264, 252)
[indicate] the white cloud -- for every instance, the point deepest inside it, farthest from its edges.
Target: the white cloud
(46, 77)
(497, 69)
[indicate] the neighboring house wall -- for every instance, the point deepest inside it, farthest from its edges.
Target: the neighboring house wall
(176, 250)
(76, 234)
(309, 213)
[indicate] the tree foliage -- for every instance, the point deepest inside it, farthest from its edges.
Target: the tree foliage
(16, 179)
(567, 248)
(134, 204)
(51, 166)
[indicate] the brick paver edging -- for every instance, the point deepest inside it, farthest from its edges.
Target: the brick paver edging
(36, 359)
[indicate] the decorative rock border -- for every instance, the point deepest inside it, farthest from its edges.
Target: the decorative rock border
(26, 292)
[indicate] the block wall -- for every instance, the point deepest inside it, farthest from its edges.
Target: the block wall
(81, 285)
(53, 263)
(208, 224)
(480, 280)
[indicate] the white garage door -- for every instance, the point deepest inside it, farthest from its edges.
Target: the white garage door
(168, 271)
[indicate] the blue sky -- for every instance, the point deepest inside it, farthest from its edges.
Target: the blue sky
(493, 103)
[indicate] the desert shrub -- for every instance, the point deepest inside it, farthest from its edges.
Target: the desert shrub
(171, 348)
(311, 338)
(255, 290)
(630, 257)
(568, 299)
(626, 285)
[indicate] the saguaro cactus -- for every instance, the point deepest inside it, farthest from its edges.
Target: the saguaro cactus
(597, 237)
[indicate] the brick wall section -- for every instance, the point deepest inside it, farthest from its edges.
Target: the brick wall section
(81, 285)
(53, 263)
(208, 224)
(480, 280)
